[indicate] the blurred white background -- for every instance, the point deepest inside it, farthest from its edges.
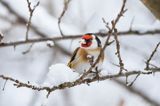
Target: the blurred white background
(82, 16)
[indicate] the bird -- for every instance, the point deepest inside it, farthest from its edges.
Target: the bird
(86, 54)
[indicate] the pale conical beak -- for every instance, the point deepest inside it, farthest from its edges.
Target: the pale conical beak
(82, 41)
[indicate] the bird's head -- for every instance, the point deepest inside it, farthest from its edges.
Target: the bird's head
(90, 41)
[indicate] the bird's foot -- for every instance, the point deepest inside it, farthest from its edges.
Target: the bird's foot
(96, 73)
(90, 59)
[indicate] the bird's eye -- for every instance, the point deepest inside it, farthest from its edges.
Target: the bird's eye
(88, 40)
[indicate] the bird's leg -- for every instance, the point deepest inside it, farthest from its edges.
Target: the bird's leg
(97, 73)
(90, 59)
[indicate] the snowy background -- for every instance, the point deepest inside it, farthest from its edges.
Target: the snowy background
(82, 16)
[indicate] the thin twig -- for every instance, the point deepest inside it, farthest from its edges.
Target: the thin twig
(66, 2)
(4, 85)
(134, 80)
(29, 49)
(122, 11)
(131, 24)
(121, 64)
(31, 10)
(106, 24)
(151, 56)
(36, 40)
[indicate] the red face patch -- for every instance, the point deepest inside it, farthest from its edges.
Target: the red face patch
(87, 36)
(87, 44)
(88, 39)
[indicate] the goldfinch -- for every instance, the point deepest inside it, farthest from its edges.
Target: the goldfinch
(86, 54)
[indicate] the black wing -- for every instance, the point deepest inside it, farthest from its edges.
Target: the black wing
(73, 57)
(98, 41)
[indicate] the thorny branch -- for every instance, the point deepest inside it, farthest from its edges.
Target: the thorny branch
(64, 85)
(118, 51)
(122, 11)
(151, 56)
(31, 10)
(36, 40)
(66, 2)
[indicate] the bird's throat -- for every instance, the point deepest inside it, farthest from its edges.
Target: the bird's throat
(86, 45)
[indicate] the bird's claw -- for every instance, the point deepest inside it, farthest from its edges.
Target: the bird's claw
(90, 59)
(97, 73)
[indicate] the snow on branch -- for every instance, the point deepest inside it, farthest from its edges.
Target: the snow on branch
(79, 81)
